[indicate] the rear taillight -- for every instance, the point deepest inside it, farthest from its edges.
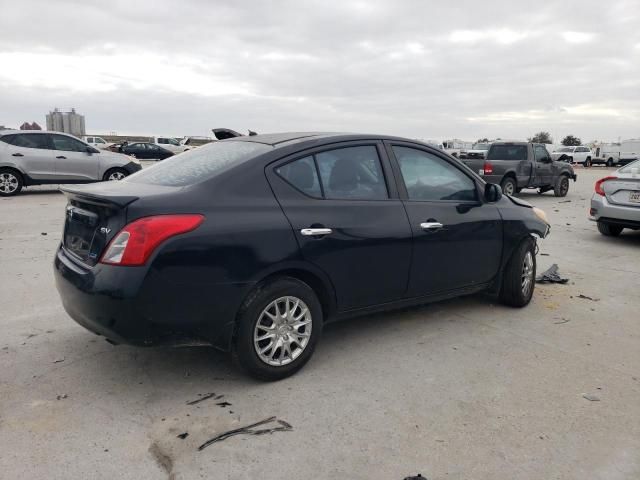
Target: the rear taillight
(488, 168)
(135, 243)
(598, 187)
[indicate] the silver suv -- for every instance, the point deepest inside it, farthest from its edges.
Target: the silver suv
(37, 158)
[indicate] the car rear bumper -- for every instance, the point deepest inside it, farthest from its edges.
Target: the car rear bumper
(138, 306)
(132, 167)
(603, 210)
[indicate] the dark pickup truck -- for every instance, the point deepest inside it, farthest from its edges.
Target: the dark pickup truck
(518, 165)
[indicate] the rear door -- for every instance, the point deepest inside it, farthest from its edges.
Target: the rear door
(543, 167)
(33, 154)
(73, 161)
(457, 238)
(348, 220)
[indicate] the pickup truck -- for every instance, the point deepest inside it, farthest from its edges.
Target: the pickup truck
(518, 165)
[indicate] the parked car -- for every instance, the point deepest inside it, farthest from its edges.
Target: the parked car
(252, 244)
(579, 154)
(97, 142)
(170, 144)
(37, 157)
(192, 142)
(479, 150)
(606, 153)
(518, 165)
(615, 205)
(146, 151)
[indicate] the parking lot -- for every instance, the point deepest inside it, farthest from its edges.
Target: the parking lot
(463, 389)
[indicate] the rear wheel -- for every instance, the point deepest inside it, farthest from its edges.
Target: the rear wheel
(609, 230)
(115, 174)
(10, 182)
(561, 188)
(518, 281)
(508, 185)
(587, 162)
(610, 162)
(278, 327)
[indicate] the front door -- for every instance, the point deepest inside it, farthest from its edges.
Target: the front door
(73, 161)
(33, 154)
(457, 237)
(543, 166)
(348, 220)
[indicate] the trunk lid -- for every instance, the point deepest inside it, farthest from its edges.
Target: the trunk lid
(623, 191)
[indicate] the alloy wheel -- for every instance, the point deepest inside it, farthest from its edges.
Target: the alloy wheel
(283, 331)
(116, 176)
(8, 183)
(527, 273)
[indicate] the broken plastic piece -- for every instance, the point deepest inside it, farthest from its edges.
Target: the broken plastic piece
(284, 427)
(551, 275)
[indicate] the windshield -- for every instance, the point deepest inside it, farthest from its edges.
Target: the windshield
(627, 168)
(507, 152)
(200, 164)
(481, 146)
(565, 149)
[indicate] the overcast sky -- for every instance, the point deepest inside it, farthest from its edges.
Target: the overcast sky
(421, 69)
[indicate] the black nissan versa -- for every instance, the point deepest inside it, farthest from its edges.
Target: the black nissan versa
(251, 244)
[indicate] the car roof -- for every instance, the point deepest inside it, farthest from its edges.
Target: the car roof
(288, 138)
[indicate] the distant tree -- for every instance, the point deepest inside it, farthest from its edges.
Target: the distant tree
(541, 137)
(571, 141)
(483, 140)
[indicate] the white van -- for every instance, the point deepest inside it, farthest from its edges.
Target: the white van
(97, 142)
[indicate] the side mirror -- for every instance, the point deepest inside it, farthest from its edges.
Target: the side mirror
(492, 192)
(91, 150)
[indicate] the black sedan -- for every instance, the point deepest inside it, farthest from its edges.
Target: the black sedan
(252, 244)
(146, 151)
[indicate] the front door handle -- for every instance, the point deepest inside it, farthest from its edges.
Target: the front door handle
(312, 232)
(431, 226)
(17, 155)
(61, 157)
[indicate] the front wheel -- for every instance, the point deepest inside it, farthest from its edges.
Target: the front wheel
(561, 188)
(587, 162)
(610, 162)
(508, 186)
(518, 281)
(114, 174)
(609, 230)
(278, 327)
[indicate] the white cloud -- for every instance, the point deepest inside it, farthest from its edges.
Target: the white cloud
(503, 36)
(578, 37)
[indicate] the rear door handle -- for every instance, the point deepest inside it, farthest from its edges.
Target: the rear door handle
(61, 157)
(312, 232)
(431, 226)
(17, 155)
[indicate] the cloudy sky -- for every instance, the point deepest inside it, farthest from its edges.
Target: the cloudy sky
(422, 69)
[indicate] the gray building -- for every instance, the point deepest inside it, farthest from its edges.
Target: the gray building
(67, 122)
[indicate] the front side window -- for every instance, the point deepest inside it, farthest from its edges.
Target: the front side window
(428, 177)
(99, 140)
(67, 144)
(303, 175)
(541, 153)
(30, 140)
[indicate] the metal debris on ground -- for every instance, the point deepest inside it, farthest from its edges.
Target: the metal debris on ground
(182, 436)
(564, 320)
(585, 297)
(204, 397)
(223, 404)
(58, 360)
(283, 427)
(61, 397)
(417, 477)
(591, 398)
(551, 275)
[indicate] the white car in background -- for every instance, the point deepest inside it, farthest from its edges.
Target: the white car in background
(579, 154)
(97, 142)
(170, 143)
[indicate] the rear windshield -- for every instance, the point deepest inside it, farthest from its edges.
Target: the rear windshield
(507, 152)
(199, 164)
(628, 168)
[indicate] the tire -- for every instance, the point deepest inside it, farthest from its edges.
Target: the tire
(11, 182)
(518, 190)
(587, 162)
(259, 307)
(114, 174)
(569, 159)
(508, 185)
(609, 230)
(515, 290)
(561, 188)
(610, 162)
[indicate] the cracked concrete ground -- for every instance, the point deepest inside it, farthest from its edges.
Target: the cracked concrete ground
(459, 389)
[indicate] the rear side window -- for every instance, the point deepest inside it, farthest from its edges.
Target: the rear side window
(507, 152)
(30, 140)
(199, 164)
(303, 175)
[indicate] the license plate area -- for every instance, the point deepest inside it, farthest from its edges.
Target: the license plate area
(80, 230)
(634, 197)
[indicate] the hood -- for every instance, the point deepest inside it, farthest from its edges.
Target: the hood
(517, 201)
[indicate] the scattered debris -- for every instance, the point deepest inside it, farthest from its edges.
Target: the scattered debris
(564, 320)
(182, 436)
(544, 254)
(62, 397)
(585, 297)
(59, 360)
(591, 398)
(416, 477)
(43, 233)
(565, 201)
(223, 404)
(284, 427)
(551, 275)
(204, 397)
